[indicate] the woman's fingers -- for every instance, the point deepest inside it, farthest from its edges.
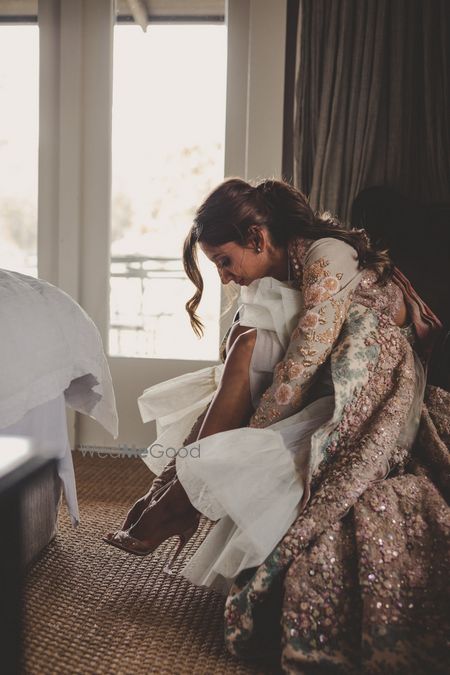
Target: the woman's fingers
(134, 513)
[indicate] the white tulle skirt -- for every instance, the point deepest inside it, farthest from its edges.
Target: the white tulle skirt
(248, 480)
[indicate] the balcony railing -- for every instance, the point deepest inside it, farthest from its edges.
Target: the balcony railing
(147, 309)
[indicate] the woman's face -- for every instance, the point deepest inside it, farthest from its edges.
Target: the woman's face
(241, 264)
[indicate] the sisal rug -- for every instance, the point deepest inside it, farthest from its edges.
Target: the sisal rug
(90, 608)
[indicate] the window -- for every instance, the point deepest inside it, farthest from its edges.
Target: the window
(168, 153)
(19, 123)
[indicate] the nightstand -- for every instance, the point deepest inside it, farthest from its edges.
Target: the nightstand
(19, 464)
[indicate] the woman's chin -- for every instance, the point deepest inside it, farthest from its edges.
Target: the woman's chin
(243, 282)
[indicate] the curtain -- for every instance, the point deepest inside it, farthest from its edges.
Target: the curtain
(372, 100)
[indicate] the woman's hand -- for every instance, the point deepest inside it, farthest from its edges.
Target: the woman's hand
(135, 512)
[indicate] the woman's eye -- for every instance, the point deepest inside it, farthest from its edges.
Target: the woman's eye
(224, 262)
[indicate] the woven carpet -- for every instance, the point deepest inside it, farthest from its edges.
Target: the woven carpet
(91, 608)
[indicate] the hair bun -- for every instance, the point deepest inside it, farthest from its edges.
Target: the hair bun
(326, 219)
(262, 187)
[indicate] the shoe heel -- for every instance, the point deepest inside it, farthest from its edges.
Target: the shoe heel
(183, 539)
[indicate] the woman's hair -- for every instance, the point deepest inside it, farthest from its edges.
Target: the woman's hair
(234, 206)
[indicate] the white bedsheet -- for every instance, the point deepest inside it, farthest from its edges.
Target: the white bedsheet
(51, 355)
(49, 345)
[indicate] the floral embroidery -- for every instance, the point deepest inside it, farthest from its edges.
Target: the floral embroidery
(315, 271)
(296, 370)
(285, 371)
(322, 290)
(315, 294)
(283, 394)
(309, 320)
(387, 299)
(331, 283)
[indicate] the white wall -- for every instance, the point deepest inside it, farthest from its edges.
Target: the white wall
(266, 89)
(75, 101)
(255, 88)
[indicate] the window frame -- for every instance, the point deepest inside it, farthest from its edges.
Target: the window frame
(75, 162)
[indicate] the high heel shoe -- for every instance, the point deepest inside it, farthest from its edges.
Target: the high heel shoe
(131, 544)
(171, 525)
(183, 539)
(139, 507)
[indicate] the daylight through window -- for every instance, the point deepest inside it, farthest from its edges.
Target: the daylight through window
(168, 153)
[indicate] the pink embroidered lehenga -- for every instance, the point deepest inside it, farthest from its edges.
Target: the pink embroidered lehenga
(354, 581)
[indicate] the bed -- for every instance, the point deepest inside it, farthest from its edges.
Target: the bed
(51, 357)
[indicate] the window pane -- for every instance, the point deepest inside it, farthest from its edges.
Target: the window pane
(19, 125)
(168, 153)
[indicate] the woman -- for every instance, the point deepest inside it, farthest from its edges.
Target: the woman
(319, 396)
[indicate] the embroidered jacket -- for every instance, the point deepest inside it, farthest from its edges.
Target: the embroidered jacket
(359, 576)
(327, 271)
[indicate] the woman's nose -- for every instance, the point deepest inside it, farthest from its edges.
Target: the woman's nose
(225, 276)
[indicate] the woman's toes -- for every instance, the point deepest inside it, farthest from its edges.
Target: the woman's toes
(129, 542)
(113, 535)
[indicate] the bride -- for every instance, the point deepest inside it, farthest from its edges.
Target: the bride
(301, 374)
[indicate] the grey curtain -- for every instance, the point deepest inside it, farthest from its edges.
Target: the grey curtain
(372, 100)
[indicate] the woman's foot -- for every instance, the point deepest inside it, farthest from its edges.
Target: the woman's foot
(142, 503)
(157, 489)
(172, 514)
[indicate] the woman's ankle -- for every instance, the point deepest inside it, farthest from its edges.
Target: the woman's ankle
(172, 506)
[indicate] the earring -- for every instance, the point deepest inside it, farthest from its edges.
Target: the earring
(258, 249)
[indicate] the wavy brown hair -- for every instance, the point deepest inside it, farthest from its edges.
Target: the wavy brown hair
(234, 206)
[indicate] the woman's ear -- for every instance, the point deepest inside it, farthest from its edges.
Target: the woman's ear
(255, 238)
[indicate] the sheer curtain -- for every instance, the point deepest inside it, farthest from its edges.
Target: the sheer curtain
(372, 99)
